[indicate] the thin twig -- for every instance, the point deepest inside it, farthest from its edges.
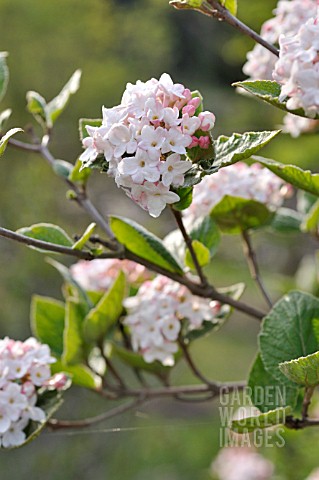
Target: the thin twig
(50, 247)
(80, 194)
(189, 244)
(170, 391)
(253, 266)
(55, 424)
(213, 8)
(214, 386)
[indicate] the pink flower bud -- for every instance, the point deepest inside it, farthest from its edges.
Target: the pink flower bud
(189, 109)
(194, 142)
(195, 101)
(58, 381)
(207, 121)
(204, 142)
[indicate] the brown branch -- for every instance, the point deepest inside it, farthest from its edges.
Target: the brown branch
(253, 266)
(55, 424)
(213, 8)
(189, 244)
(214, 386)
(50, 247)
(306, 402)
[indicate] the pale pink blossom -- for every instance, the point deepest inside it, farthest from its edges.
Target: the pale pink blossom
(155, 119)
(238, 180)
(19, 387)
(155, 317)
(99, 274)
(241, 463)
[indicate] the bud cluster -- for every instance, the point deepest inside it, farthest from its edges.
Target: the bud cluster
(155, 317)
(238, 180)
(24, 369)
(145, 140)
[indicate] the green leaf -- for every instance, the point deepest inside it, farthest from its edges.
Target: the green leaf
(49, 402)
(303, 371)
(266, 392)
(74, 288)
(81, 375)
(304, 179)
(78, 174)
(202, 254)
(287, 332)
(143, 243)
(269, 91)
(229, 150)
(73, 341)
(234, 291)
(58, 104)
(315, 325)
(106, 313)
(186, 196)
(4, 140)
(311, 220)
(286, 220)
(4, 74)
(4, 116)
(136, 360)
(84, 122)
(264, 420)
(231, 5)
(205, 230)
(305, 201)
(37, 106)
(85, 237)
(62, 168)
(235, 214)
(47, 322)
(46, 232)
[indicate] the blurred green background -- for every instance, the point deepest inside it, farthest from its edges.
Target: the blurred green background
(114, 42)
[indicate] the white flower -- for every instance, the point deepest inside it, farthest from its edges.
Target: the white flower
(173, 170)
(176, 142)
(153, 198)
(171, 89)
(5, 421)
(141, 167)
(190, 124)
(121, 137)
(14, 400)
(152, 139)
(15, 435)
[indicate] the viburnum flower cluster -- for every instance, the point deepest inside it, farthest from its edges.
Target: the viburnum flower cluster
(290, 16)
(99, 274)
(238, 180)
(297, 69)
(145, 140)
(24, 369)
(155, 317)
